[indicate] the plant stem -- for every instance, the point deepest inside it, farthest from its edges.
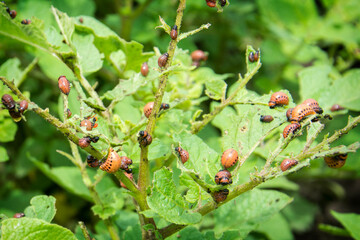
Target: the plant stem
(94, 194)
(84, 231)
(198, 125)
(144, 169)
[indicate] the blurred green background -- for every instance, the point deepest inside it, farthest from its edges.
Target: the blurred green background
(291, 35)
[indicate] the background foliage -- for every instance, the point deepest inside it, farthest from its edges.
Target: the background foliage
(309, 47)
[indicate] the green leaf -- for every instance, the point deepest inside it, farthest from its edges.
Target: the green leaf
(314, 81)
(243, 130)
(276, 228)
(7, 130)
(157, 151)
(215, 85)
(88, 55)
(251, 209)
(65, 23)
(70, 179)
(26, 228)
(203, 160)
(3, 154)
(11, 71)
(108, 41)
(86, 7)
(43, 207)
(280, 183)
(300, 214)
(31, 34)
(350, 221)
(126, 87)
(195, 192)
(169, 204)
(112, 201)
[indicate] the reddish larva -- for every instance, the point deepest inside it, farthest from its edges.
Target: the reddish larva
(291, 128)
(84, 142)
(336, 161)
(336, 107)
(26, 21)
(183, 154)
(229, 158)
(92, 162)
(221, 195)
(174, 33)
(300, 112)
(86, 123)
(112, 163)
(198, 56)
(144, 69)
(314, 105)
(23, 106)
(144, 138)
(8, 101)
(278, 99)
(211, 3)
(64, 85)
(129, 176)
(125, 162)
(12, 14)
(223, 3)
(254, 57)
(19, 215)
(68, 113)
(266, 118)
(287, 164)
(223, 177)
(163, 60)
(16, 116)
(164, 106)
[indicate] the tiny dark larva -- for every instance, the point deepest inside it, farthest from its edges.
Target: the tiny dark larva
(266, 118)
(174, 33)
(183, 154)
(163, 60)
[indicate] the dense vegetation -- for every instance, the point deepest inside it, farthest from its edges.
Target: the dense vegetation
(307, 49)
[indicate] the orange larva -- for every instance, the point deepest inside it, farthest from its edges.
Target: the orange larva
(163, 60)
(266, 118)
(223, 177)
(129, 176)
(64, 85)
(229, 158)
(144, 69)
(148, 109)
(86, 123)
(12, 14)
(300, 112)
(174, 33)
(287, 164)
(278, 99)
(112, 163)
(288, 113)
(336, 161)
(211, 3)
(183, 154)
(291, 128)
(221, 195)
(314, 105)
(336, 107)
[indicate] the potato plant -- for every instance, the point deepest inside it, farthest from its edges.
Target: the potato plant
(165, 197)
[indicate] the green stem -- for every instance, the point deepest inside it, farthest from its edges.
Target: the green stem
(198, 125)
(84, 231)
(94, 194)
